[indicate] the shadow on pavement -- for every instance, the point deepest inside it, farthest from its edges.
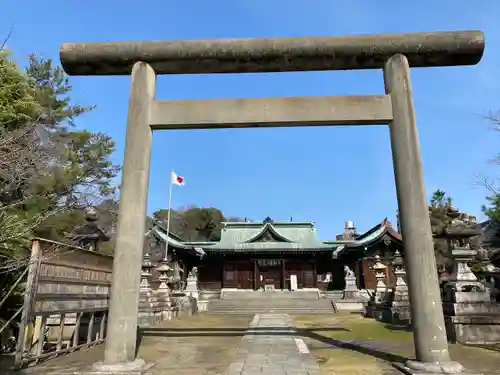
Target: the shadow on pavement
(360, 347)
(310, 332)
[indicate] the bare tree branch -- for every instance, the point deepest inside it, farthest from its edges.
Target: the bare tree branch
(6, 39)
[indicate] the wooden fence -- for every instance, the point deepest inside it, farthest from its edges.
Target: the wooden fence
(66, 301)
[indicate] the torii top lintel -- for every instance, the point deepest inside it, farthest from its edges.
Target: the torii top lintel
(425, 49)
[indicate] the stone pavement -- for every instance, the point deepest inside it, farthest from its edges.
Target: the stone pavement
(271, 346)
(198, 345)
(207, 345)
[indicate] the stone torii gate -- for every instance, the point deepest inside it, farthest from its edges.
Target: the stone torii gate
(394, 54)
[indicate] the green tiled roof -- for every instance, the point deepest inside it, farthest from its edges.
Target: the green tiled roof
(289, 236)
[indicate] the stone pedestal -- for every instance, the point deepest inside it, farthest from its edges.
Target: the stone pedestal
(351, 291)
(183, 304)
(202, 305)
(470, 316)
(192, 290)
(192, 287)
(350, 297)
(165, 303)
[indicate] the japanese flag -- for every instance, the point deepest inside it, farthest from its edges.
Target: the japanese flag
(177, 180)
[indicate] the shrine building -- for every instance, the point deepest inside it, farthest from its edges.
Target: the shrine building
(272, 255)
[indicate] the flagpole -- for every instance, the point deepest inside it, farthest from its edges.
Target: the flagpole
(168, 213)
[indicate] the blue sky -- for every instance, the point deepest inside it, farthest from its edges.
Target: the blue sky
(327, 175)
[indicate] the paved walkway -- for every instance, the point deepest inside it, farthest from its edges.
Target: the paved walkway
(271, 347)
(198, 345)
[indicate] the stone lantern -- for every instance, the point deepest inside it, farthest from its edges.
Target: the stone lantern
(379, 268)
(163, 269)
(470, 316)
(376, 307)
(400, 273)
(146, 273)
(163, 291)
(89, 235)
(149, 309)
(400, 305)
(462, 279)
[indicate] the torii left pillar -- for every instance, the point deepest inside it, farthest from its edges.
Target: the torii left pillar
(120, 351)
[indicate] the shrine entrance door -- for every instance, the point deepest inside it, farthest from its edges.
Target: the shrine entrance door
(270, 273)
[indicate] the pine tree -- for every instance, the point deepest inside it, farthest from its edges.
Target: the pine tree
(439, 209)
(49, 171)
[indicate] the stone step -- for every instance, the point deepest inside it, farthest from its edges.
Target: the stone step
(256, 302)
(286, 295)
(290, 312)
(330, 308)
(269, 301)
(280, 311)
(235, 307)
(334, 295)
(257, 306)
(225, 307)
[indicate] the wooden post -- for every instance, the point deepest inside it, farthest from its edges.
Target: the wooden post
(26, 326)
(256, 281)
(76, 332)
(283, 274)
(431, 345)
(90, 329)
(102, 327)
(62, 320)
(358, 270)
(41, 337)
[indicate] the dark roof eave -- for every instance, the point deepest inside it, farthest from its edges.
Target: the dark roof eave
(270, 250)
(360, 245)
(374, 240)
(156, 223)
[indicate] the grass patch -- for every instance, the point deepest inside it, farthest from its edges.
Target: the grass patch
(347, 362)
(355, 327)
(344, 327)
(400, 343)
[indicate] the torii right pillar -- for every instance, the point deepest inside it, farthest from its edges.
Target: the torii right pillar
(431, 344)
